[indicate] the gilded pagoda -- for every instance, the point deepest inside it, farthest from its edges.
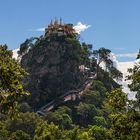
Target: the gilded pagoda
(59, 28)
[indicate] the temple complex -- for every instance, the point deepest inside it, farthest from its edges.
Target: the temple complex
(59, 28)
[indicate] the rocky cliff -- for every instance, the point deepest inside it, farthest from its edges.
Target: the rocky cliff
(53, 67)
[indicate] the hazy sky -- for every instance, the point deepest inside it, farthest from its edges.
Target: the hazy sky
(115, 24)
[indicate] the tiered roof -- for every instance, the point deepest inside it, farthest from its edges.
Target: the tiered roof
(60, 28)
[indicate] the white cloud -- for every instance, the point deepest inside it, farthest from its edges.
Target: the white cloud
(123, 67)
(114, 59)
(15, 54)
(38, 29)
(80, 27)
(129, 55)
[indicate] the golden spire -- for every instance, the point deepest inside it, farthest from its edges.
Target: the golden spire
(51, 24)
(56, 23)
(60, 22)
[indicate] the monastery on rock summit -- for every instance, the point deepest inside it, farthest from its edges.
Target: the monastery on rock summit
(60, 29)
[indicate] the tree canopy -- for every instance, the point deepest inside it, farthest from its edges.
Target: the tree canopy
(11, 75)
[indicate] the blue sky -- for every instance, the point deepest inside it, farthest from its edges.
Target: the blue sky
(115, 24)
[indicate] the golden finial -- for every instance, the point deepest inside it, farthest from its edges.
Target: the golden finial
(56, 23)
(51, 23)
(61, 22)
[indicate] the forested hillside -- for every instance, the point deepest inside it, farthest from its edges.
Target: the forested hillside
(53, 67)
(58, 63)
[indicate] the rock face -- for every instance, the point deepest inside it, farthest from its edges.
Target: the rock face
(53, 67)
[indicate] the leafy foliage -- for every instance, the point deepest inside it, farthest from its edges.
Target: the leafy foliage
(135, 77)
(10, 81)
(103, 56)
(19, 135)
(126, 126)
(102, 113)
(53, 66)
(117, 100)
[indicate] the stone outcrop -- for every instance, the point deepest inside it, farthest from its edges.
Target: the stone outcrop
(53, 67)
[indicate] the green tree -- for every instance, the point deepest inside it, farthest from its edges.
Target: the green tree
(4, 134)
(135, 77)
(77, 134)
(117, 100)
(100, 121)
(126, 126)
(115, 73)
(25, 46)
(98, 133)
(85, 113)
(61, 117)
(11, 88)
(85, 54)
(124, 121)
(46, 131)
(27, 122)
(24, 107)
(99, 87)
(102, 55)
(19, 135)
(92, 97)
